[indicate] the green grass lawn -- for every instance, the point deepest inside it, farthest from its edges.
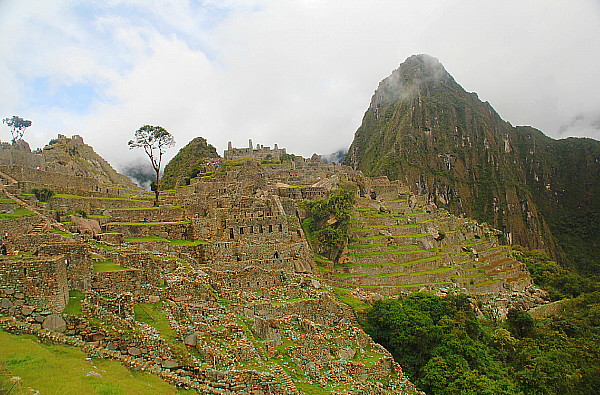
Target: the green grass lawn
(60, 232)
(18, 213)
(144, 239)
(345, 296)
(107, 266)
(153, 314)
(176, 242)
(67, 196)
(74, 305)
(61, 370)
(173, 242)
(5, 200)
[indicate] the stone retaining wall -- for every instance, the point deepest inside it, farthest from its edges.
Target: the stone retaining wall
(37, 282)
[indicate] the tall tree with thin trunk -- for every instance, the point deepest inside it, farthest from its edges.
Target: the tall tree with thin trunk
(17, 127)
(154, 140)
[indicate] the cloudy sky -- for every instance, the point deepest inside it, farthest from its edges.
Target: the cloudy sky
(299, 73)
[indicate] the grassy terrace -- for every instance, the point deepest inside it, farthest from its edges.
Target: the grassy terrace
(471, 242)
(395, 252)
(344, 295)
(145, 208)
(152, 223)
(156, 239)
(153, 314)
(102, 264)
(61, 369)
(74, 305)
(487, 282)
(383, 264)
(369, 228)
(18, 213)
(67, 196)
(392, 286)
(413, 274)
(365, 238)
(5, 200)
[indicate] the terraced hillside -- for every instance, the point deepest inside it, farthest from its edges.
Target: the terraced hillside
(404, 244)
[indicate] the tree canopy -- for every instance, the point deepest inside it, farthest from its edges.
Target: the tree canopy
(17, 127)
(154, 140)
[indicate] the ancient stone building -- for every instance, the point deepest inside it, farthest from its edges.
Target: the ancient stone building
(260, 152)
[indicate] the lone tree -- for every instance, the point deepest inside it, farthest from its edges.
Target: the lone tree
(17, 127)
(154, 140)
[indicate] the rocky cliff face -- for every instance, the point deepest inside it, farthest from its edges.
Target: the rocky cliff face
(425, 130)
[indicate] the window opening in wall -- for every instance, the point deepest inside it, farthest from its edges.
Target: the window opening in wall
(276, 256)
(280, 228)
(24, 271)
(231, 233)
(241, 230)
(270, 228)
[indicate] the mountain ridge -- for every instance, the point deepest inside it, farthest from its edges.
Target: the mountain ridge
(447, 144)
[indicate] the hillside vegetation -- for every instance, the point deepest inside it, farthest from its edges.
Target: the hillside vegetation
(187, 163)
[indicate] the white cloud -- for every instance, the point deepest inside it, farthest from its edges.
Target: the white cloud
(296, 73)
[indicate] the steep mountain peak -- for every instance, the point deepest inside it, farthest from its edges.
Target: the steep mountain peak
(413, 78)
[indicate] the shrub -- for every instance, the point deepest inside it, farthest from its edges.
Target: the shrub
(42, 194)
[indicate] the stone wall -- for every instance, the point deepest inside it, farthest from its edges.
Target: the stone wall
(94, 205)
(151, 214)
(176, 230)
(149, 269)
(18, 226)
(38, 282)
(80, 267)
(32, 241)
(33, 176)
(116, 282)
(260, 151)
(249, 279)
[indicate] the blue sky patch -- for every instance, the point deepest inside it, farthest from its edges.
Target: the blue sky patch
(75, 97)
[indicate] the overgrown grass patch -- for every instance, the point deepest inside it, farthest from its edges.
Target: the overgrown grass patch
(74, 305)
(61, 369)
(18, 213)
(107, 266)
(68, 196)
(145, 239)
(345, 295)
(176, 242)
(60, 232)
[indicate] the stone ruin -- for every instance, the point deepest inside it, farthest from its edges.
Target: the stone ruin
(225, 264)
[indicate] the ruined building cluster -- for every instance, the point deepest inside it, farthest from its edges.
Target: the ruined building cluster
(227, 263)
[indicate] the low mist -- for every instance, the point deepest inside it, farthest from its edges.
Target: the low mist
(139, 171)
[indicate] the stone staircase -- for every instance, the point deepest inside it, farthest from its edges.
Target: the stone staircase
(284, 379)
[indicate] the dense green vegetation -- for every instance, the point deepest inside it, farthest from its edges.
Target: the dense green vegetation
(42, 194)
(445, 349)
(328, 222)
(559, 282)
(187, 163)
